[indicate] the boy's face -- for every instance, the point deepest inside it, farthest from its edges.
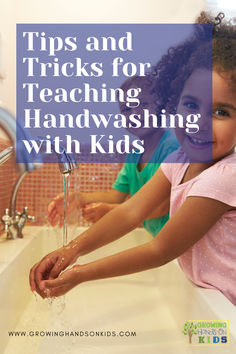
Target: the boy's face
(147, 101)
(217, 126)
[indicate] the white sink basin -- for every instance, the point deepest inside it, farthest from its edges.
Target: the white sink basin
(154, 304)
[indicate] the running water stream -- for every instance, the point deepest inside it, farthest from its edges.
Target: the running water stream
(59, 303)
(66, 182)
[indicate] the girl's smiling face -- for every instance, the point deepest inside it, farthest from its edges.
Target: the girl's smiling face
(217, 126)
(223, 116)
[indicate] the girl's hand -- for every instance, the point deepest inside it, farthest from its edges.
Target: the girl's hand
(56, 208)
(65, 282)
(50, 267)
(94, 211)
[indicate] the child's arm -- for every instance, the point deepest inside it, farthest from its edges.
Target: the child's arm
(113, 225)
(113, 196)
(79, 199)
(191, 222)
(160, 210)
(95, 211)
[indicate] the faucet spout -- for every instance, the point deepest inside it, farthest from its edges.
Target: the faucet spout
(66, 162)
(9, 125)
(6, 154)
(13, 220)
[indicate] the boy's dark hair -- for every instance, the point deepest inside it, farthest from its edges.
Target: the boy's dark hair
(146, 83)
(213, 45)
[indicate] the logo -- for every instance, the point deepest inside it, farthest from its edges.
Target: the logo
(207, 332)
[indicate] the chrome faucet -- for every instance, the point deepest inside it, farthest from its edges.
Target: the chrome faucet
(8, 123)
(18, 220)
(14, 225)
(13, 220)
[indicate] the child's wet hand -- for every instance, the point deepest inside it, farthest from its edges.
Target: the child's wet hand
(61, 285)
(56, 208)
(95, 211)
(50, 267)
(33, 284)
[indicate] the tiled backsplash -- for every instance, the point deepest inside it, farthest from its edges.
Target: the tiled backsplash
(7, 178)
(40, 186)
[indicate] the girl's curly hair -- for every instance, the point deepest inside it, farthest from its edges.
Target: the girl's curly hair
(212, 45)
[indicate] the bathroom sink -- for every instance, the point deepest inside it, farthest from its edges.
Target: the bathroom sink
(135, 314)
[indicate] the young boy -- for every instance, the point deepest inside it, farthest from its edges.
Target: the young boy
(158, 145)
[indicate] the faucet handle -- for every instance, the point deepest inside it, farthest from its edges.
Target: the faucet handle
(31, 218)
(7, 220)
(25, 213)
(20, 223)
(6, 217)
(26, 210)
(6, 212)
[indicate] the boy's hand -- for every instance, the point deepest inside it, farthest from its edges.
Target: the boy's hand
(95, 211)
(50, 267)
(56, 208)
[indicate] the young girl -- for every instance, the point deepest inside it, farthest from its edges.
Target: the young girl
(202, 228)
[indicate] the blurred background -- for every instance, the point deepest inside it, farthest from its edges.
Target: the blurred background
(226, 6)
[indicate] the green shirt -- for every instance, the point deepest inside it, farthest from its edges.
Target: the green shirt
(130, 179)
